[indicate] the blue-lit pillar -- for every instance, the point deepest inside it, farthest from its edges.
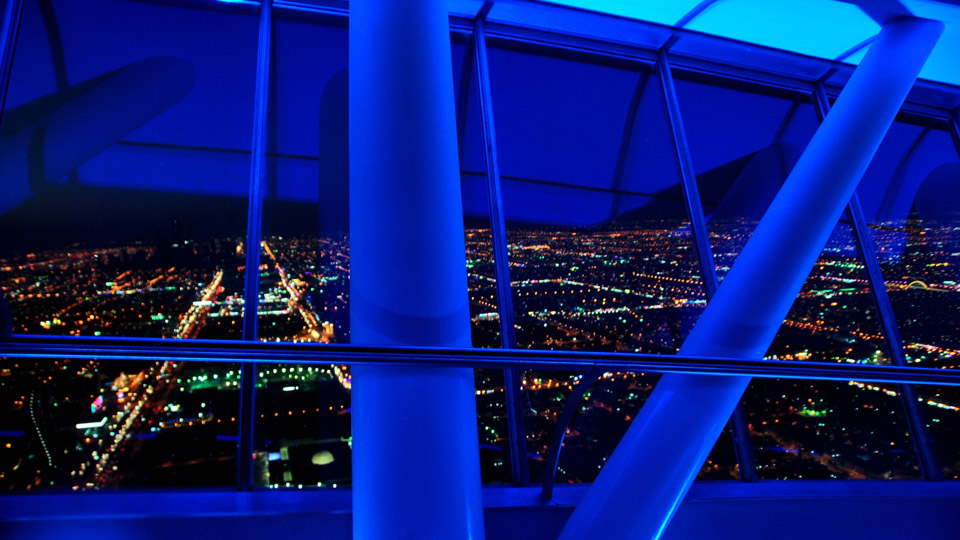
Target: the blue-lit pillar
(416, 471)
(646, 478)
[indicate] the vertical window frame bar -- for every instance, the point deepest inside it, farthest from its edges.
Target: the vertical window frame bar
(8, 41)
(955, 128)
(251, 294)
(508, 338)
(929, 464)
(739, 426)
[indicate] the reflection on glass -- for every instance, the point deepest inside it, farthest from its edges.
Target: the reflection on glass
(72, 424)
(940, 408)
(125, 159)
(601, 256)
(302, 431)
(910, 199)
(744, 145)
(126, 171)
(826, 430)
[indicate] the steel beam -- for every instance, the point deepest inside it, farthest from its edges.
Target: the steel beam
(499, 241)
(8, 44)
(251, 291)
(416, 466)
(892, 341)
(701, 239)
(642, 484)
(114, 349)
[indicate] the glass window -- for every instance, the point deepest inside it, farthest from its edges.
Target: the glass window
(304, 412)
(828, 430)
(910, 198)
(126, 152)
(79, 425)
(744, 144)
(601, 256)
(126, 162)
(126, 159)
(305, 265)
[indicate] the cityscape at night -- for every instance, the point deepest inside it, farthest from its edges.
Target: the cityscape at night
(532, 269)
(631, 286)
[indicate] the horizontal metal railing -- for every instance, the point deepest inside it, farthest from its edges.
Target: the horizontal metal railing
(30, 346)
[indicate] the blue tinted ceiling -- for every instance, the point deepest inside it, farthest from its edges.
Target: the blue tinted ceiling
(819, 28)
(666, 12)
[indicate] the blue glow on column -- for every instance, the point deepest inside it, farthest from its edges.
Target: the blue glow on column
(416, 469)
(648, 475)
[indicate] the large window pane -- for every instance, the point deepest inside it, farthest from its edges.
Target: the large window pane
(305, 270)
(601, 256)
(744, 143)
(910, 198)
(126, 157)
(126, 137)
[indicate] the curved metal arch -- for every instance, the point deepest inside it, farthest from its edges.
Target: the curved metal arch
(893, 188)
(8, 42)
(58, 59)
(625, 141)
(694, 13)
(785, 122)
(585, 383)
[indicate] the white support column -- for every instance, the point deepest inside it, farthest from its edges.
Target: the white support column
(416, 470)
(646, 478)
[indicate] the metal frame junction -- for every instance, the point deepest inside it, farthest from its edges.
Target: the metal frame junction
(656, 60)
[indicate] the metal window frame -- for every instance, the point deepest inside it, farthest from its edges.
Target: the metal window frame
(158, 349)
(12, 16)
(863, 241)
(508, 337)
(739, 426)
(251, 290)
